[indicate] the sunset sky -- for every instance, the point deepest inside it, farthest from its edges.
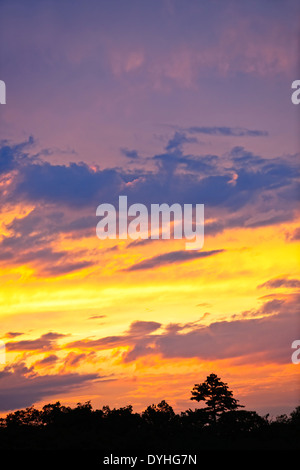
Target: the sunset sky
(164, 101)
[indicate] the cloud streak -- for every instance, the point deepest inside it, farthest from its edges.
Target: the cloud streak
(226, 131)
(20, 386)
(45, 343)
(172, 257)
(281, 282)
(265, 335)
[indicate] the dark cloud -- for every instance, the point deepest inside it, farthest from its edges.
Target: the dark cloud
(66, 268)
(6, 159)
(231, 339)
(75, 185)
(265, 335)
(45, 254)
(131, 154)
(31, 237)
(171, 161)
(272, 306)
(12, 334)
(46, 342)
(242, 188)
(177, 141)
(47, 261)
(179, 256)
(295, 236)
(6, 255)
(20, 386)
(96, 317)
(102, 343)
(243, 157)
(141, 242)
(137, 330)
(43, 223)
(12, 156)
(33, 222)
(80, 223)
(143, 327)
(74, 359)
(280, 282)
(226, 131)
(48, 360)
(111, 248)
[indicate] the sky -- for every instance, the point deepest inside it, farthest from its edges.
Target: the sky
(165, 102)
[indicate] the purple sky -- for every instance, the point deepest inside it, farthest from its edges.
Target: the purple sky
(88, 79)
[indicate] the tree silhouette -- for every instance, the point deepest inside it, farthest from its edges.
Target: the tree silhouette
(158, 414)
(216, 395)
(218, 426)
(29, 416)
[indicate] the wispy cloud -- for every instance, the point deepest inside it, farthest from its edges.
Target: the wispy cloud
(281, 282)
(139, 328)
(45, 343)
(177, 141)
(265, 334)
(179, 256)
(226, 131)
(131, 154)
(21, 386)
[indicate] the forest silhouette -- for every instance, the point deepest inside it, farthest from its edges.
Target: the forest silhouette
(220, 424)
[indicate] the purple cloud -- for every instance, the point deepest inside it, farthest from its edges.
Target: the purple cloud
(264, 335)
(20, 386)
(46, 342)
(179, 256)
(280, 282)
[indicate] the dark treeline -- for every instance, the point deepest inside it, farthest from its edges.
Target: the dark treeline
(219, 425)
(57, 427)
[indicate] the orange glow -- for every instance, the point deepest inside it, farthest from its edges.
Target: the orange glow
(103, 300)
